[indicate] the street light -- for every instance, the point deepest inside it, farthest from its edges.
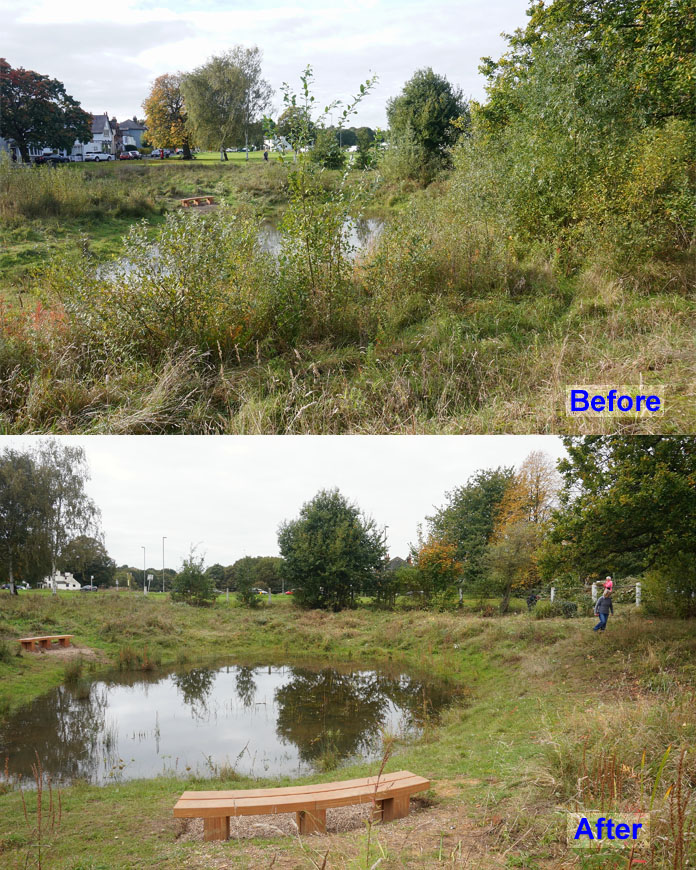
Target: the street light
(164, 538)
(144, 577)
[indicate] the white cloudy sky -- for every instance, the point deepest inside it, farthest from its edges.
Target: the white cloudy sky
(227, 495)
(107, 52)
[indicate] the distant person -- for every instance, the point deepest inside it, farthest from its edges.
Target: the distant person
(532, 600)
(609, 584)
(265, 154)
(603, 608)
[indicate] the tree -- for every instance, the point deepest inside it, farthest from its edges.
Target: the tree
(511, 560)
(71, 511)
(23, 516)
(427, 106)
(191, 585)
(245, 580)
(531, 494)
(87, 560)
(330, 551)
(468, 519)
(165, 114)
(35, 110)
(438, 569)
(628, 506)
(225, 97)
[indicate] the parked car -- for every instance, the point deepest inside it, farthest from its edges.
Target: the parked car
(88, 588)
(98, 156)
(45, 159)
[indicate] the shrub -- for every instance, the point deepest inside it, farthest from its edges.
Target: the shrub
(192, 586)
(559, 607)
(73, 671)
(5, 652)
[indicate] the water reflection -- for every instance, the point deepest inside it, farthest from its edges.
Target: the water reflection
(270, 720)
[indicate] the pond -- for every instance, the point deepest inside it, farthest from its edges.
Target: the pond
(361, 234)
(261, 720)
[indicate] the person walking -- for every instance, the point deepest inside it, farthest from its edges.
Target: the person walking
(603, 608)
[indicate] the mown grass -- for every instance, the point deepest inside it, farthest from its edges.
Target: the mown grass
(537, 698)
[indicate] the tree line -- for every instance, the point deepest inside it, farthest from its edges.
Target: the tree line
(618, 505)
(624, 506)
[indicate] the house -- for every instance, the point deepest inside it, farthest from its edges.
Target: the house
(64, 582)
(134, 129)
(103, 141)
(277, 143)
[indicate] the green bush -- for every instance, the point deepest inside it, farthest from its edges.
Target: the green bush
(559, 607)
(192, 585)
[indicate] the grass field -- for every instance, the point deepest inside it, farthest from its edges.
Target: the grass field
(545, 706)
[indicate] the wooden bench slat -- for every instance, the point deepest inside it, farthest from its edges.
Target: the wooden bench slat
(285, 803)
(46, 637)
(297, 789)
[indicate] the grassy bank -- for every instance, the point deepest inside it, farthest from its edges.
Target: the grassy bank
(544, 706)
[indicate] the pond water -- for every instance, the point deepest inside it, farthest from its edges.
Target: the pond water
(262, 720)
(361, 234)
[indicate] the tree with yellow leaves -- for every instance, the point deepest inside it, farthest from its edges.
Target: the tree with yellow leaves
(165, 114)
(524, 511)
(438, 568)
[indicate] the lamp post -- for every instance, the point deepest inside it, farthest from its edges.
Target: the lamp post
(144, 577)
(164, 538)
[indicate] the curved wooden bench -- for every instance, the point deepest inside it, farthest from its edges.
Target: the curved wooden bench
(390, 794)
(197, 200)
(45, 642)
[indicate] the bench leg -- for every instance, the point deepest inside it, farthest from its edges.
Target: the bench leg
(28, 645)
(45, 644)
(216, 829)
(64, 641)
(394, 808)
(311, 821)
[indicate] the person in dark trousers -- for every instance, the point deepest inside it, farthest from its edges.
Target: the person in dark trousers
(603, 608)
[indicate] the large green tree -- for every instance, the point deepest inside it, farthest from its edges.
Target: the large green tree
(427, 107)
(24, 511)
(628, 506)
(330, 551)
(64, 475)
(36, 110)
(468, 518)
(225, 97)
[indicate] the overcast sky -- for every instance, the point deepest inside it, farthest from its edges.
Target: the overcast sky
(107, 52)
(227, 495)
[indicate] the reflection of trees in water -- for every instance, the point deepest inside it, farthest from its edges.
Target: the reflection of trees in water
(195, 687)
(66, 732)
(342, 713)
(245, 685)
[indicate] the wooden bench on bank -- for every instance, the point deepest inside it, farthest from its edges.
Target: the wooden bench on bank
(389, 792)
(45, 642)
(197, 200)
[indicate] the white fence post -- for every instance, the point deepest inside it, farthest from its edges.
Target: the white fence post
(637, 594)
(553, 593)
(594, 593)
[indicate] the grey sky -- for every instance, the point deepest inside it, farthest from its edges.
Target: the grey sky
(107, 53)
(228, 494)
